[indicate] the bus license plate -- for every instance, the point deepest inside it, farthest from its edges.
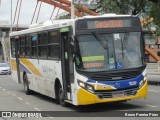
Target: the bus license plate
(118, 95)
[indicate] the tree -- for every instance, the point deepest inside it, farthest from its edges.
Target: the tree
(124, 6)
(144, 8)
(154, 12)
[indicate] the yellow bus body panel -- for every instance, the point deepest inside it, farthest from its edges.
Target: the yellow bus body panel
(84, 97)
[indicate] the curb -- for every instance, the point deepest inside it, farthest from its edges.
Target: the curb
(153, 74)
(154, 83)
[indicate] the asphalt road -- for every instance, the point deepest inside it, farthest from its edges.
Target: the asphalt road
(12, 98)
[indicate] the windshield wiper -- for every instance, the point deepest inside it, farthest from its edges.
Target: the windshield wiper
(125, 40)
(98, 38)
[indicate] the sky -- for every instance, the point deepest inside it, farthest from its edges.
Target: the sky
(27, 10)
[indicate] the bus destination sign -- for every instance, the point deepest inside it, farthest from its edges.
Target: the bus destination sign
(108, 24)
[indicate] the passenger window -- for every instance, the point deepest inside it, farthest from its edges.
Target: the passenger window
(53, 37)
(43, 45)
(22, 46)
(43, 38)
(54, 46)
(34, 39)
(43, 51)
(54, 51)
(28, 46)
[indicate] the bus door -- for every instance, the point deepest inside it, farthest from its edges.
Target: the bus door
(17, 50)
(66, 65)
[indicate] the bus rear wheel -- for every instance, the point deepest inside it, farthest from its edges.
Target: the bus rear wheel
(26, 85)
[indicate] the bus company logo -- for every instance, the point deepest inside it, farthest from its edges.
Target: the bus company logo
(133, 82)
(117, 85)
(6, 114)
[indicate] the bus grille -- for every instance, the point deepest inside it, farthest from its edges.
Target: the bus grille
(115, 76)
(118, 93)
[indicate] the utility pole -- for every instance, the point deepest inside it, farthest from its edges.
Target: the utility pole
(11, 18)
(72, 9)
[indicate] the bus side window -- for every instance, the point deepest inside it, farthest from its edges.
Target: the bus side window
(43, 45)
(27, 46)
(54, 45)
(22, 46)
(34, 39)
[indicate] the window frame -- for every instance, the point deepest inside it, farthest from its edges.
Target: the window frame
(22, 45)
(42, 45)
(28, 45)
(55, 44)
(34, 46)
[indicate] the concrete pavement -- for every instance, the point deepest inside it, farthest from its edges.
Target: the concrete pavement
(13, 99)
(153, 73)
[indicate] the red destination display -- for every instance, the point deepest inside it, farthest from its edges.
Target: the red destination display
(108, 24)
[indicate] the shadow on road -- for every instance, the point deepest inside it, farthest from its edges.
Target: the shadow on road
(101, 107)
(107, 107)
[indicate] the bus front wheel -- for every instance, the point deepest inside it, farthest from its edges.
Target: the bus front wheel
(26, 85)
(61, 97)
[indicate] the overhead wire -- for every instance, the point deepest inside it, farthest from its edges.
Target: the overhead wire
(18, 14)
(15, 14)
(39, 11)
(52, 12)
(35, 11)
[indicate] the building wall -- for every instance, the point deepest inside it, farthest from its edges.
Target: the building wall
(156, 49)
(153, 44)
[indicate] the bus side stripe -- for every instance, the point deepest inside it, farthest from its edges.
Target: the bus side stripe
(23, 68)
(30, 66)
(13, 65)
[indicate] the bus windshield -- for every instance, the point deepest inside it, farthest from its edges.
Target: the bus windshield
(121, 51)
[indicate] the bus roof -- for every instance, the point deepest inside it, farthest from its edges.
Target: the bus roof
(53, 24)
(105, 15)
(48, 25)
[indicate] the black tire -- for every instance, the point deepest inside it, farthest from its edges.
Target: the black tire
(8, 73)
(60, 96)
(26, 85)
(123, 101)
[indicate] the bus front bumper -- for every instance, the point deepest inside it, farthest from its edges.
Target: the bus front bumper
(84, 97)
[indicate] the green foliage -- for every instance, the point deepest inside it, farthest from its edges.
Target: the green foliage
(124, 6)
(154, 12)
(145, 7)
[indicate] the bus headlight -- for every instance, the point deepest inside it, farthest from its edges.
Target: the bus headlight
(86, 86)
(81, 84)
(141, 83)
